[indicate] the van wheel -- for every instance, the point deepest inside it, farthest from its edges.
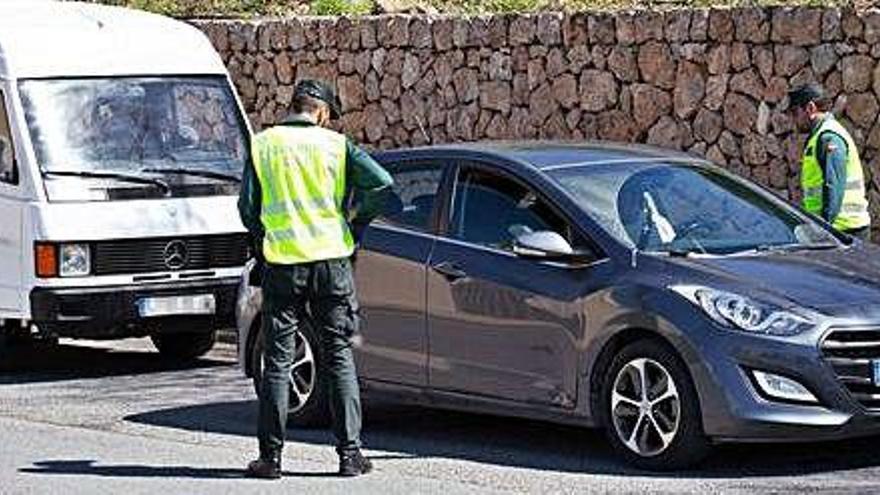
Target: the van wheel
(650, 409)
(13, 335)
(308, 402)
(184, 346)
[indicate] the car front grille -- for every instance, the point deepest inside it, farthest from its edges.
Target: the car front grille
(852, 352)
(131, 256)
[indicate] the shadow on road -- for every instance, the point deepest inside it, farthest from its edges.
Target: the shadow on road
(91, 468)
(45, 363)
(398, 431)
(413, 432)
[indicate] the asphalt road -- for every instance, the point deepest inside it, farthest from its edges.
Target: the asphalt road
(91, 417)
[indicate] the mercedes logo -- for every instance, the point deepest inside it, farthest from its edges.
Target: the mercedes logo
(176, 255)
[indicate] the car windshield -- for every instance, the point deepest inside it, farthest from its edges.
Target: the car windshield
(186, 130)
(689, 208)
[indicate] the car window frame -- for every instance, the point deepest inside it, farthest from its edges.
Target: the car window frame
(486, 166)
(446, 166)
(15, 181)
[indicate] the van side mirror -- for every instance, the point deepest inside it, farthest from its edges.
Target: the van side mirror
(548, 245)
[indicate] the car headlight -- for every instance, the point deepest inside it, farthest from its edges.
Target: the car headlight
(743, 313)
(74, 260)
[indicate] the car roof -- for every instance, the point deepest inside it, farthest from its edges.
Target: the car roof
(550, 155)
(42, 38)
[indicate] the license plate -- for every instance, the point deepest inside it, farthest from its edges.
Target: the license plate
(203, 304)
(876, 367)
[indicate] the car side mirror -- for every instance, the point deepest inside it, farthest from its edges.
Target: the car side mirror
(548, 245)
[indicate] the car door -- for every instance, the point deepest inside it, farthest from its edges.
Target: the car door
(390, 274)
(11, 199)
(500, 325)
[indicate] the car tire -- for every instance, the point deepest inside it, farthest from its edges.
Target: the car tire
(184, 346)
(309, 403)
(664, 430)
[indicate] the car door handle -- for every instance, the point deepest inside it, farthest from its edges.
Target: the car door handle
(449, 270)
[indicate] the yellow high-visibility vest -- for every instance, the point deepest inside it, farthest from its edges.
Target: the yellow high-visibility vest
(302, 177)
(854, 210)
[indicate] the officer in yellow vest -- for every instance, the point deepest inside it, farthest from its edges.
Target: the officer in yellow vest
(832, 178)
(293, 204)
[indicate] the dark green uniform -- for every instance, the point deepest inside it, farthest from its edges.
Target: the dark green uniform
(326, 288)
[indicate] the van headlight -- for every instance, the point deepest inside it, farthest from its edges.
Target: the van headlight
(74, 260)
(743, 313)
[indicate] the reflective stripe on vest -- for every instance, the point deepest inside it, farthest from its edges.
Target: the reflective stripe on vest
(854, 210)
(302, 177)
(851, 185)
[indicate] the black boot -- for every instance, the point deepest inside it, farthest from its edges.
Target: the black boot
(265, 468)
(353, 463)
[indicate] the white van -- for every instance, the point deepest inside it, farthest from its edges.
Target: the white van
(122, 144)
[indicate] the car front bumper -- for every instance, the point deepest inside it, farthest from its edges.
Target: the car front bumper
(733, 406)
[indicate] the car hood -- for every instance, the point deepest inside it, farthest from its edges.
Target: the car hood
(838, 282)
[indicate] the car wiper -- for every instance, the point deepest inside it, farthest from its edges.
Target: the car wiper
(676, 252)
(193, 172)
(680, 253)
(91, 174)
(818, 246)
(796, 247)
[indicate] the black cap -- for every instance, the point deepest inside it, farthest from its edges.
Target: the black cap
(320, 91)
(804, 94)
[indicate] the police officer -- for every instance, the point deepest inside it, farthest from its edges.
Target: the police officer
(292, 202)
(832, 178)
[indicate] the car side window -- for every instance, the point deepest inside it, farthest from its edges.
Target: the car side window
(412, 199)
(8, 165)
(492, 210)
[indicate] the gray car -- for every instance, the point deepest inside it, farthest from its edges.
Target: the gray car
(645, 292)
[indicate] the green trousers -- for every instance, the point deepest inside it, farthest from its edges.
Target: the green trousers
(322, 292)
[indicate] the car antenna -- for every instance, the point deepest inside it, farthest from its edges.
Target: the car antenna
(422, 128)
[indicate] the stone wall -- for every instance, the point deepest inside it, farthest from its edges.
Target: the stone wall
(709, 81)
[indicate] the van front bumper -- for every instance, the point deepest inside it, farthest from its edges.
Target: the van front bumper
(112, 312)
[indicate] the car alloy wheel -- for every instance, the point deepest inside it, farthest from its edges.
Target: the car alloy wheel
(302, 374)
(645, 407)
(308, 404)
(649, 407)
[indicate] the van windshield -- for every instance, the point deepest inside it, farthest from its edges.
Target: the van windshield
(87, 133)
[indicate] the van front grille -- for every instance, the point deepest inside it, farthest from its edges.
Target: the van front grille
(131, 256)
(852, 352)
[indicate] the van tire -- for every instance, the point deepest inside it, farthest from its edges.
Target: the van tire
(13, 335)
(184, 346)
